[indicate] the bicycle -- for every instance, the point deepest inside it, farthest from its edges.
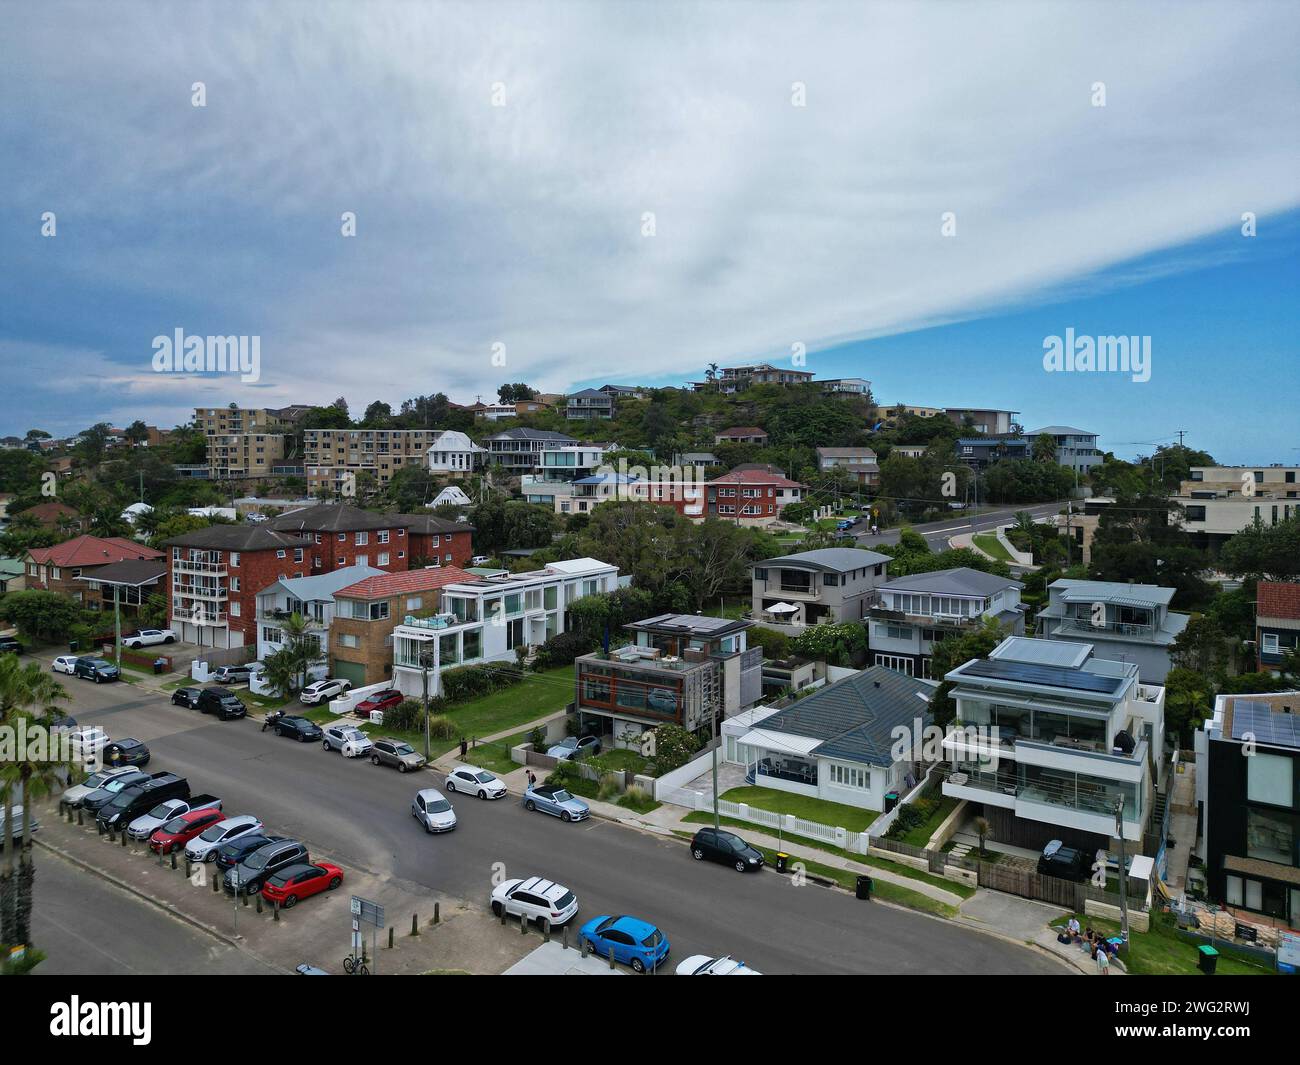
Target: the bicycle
(355, 965)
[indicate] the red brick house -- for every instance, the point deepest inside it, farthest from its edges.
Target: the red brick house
(1277, 623)
(435, 541)
(752, 495)
(61, 568)
(348, 536)
(55, 515)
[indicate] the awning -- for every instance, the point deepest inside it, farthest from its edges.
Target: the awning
(780, 742)
(782, 608)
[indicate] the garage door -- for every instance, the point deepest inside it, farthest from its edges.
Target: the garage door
(353, 671)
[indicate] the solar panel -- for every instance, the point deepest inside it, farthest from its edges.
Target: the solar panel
(1264, 724)
(1051, 676)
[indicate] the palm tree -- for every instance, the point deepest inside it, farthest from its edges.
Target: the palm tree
(22, 687)
(286, 669)
(37, 779)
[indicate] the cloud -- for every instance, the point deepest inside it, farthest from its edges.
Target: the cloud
(522, 224)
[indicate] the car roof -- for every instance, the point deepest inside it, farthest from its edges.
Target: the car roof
(538, 885)
(292, 869)
(240, 819)
(430, 793)
(633, 926)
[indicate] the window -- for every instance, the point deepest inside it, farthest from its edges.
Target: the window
(234, 559)
(382, 560)
(414, 602)
(379, 611)
(847, 776)
(281, 553)
(1270, 643)
(903, 665)
(363, 539)
(297, 554)
(1270, 836)
(1269, 779)
(362, 560)
(383, 536)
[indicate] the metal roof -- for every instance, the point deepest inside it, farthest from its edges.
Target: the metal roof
(839, 559)
(960, 581)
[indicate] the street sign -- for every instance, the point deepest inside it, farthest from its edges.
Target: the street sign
(368, 912)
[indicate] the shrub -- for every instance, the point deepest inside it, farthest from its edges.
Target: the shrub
(775, 644)
(406, 716)
(472, 682)
(608, 788)
(674, 747)
(442, 727)
(637, 797)
(537, 737)
(561, 649)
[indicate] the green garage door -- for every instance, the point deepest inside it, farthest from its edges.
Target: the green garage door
(353, 671)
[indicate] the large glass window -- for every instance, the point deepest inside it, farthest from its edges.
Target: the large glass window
(549, 597)
(473, 645)
(1269, 779)
(1270, 836)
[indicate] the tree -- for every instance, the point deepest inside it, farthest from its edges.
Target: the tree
(1202, 646)
(953, 651)
(713, 555)
(983, 828)
(286, 669)
(837, 645)
(674, 747)
(515, 393)
(1189, 700)
(137, 432)
(41, 616)
(1264, 552)
(379, 415)
(1044, 448)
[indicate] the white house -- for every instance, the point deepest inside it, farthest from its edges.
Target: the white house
(450, 495)
(485, 620)
(135, 511)
(312, 597)
(454, 452)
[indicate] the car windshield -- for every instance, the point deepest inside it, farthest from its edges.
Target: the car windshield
(161, 810)
(213, 834)
(95, 780)
(174, 825)
(653, 939)
(403, 748)
(564, 901)
(737, 844)
(561, 796)
(438, 806)
(484, 777)
(353, 734)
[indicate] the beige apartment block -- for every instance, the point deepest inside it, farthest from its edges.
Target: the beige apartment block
(330, 455)
(241, 456)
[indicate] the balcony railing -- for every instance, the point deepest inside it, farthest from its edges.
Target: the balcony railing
(1086, 627)
(200, 591)
(190, 565)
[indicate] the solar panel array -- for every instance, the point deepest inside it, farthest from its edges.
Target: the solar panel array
(1051, 676)
(1264, 724)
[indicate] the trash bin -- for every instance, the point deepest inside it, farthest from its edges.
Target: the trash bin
(1209, 958)
(159, 665)
(782, 860)
(72, 646)
(864, 888)
(891, 800)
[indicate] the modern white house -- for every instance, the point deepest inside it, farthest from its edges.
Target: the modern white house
(840, 742)
(487, 619)
(913, 613)
(454, 452)
(312, 597)
(1052, 742)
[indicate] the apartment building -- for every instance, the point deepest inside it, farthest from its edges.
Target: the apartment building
(247, 456)
(310, 597)
(981, 452)
(913, 613)
(367, 611)
(237, 421)
(334, 458)
(435, 541)
(1277, 623)
(684, 669)
(343, 535)
(1248, 791)
(587, 493)
(65, 568)
(750, 496)
(518, 451)
(1076, 449)
(1053, 742)
(989, 421)
(590, 403)
(1124, 622)
(861, 462)
(452, 452)
(845, 386)
(488, 618)
(827, 586)
(1220, 501)
(731, 379)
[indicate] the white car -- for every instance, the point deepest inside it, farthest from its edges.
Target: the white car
(480, 560)
(431, 808)
(203, 847)
(474, 781)
(323, 690)
(87, 744)
(703, 965)
(149, 637)
(348, 739)
(65, 663)
(536, 898)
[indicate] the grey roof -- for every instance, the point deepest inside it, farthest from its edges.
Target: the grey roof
(322, 586)
(130, 573)
(960, 581)
(335, 517)
(428, 523)
(1119, 593)
(238, 538)
(835, 559)
(692, 624)
(855, 717)
(589, 393)
(532, 434)
(1061, 430)
(845, 452)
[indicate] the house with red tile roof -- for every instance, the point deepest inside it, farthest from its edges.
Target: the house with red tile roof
(54, 515)
(1277, 622)
(69, 568)
(741, 434)
(750, 495)
(367, 611)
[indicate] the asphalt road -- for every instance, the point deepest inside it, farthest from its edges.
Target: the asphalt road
(358, 815)
(937, 533)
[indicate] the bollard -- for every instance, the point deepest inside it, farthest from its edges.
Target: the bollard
(259, 902)
(391, 932)
(79, 820)
(523, 925)
(436, 908)
(611, 957)
(415, 925)
(216, 884)
(586, 947)
(243, 897)
(173, 857)
(99, 828)
(275, 911)
(564, 937)
(122, 834)
(546, 930)
(503, 916)
(187, 868)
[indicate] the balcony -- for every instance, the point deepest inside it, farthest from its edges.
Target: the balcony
(190, 565)
(200, 591)
(1085, 627)
(934, 621)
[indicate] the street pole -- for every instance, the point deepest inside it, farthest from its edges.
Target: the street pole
(117, 628)
(424, 674)
(715, 771)
(1123, 874)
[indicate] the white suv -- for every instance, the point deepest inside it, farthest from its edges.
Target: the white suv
(348, 739)
(323, 690)
(536, 899)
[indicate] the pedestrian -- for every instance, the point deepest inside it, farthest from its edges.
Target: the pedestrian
(532, 779)
(1073, 928)
(1103, 960)
(464, 747)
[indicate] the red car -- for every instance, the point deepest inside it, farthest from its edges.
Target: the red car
(286, 886)
(383, 700)
(180, 830)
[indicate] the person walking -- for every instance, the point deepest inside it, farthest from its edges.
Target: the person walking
(532, 779)
(1103, 960)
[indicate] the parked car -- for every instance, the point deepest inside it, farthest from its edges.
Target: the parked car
(16, 813)
(187, 697)
(630, 940)
(146, 825)
(149, 637)
(474, 781)
(103, 795)
(553, 799)
(299, 728)
(87, 742)
(1068, 863)
(380, 700)
(97, 669)
(573, 747)
(130, 803)
(389, 751)
(222, 702)
(480, 560)
(348, 739)
(289, 885)
(844, 523)
(74, 795)
(182, 828)
(64, 664)
(535, 898)
(10, 645)
(231, 854)
(128, 751)
(251, 873)
(726, 847)
(323, 690)
(235, 674)
(431, 808)
(703, 965)
(203, 847)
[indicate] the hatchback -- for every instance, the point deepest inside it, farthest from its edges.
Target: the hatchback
(204, 847)
(727, 848)
(573, 747)
(287, 886)
(431, 808)
(183, 828)
(475, 781)
(187, 697)
(64, 664)
(628, 939)
(126, 752)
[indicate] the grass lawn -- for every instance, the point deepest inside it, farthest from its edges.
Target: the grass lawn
(920, 835)
(1160, 952)
(990, 545)
(805, 807)
(619, 759)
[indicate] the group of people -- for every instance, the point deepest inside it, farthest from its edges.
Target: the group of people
(1095, 943)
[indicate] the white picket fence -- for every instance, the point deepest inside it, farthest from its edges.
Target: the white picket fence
(776, 824)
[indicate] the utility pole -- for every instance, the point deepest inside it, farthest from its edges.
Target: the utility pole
(1123, 874)
(716, 824)
(117, 627)
(424, 676)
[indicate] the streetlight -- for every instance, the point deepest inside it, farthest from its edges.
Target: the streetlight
(1123, 873)
(425, 663)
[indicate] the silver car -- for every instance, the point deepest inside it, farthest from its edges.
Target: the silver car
(346, 738)
(389, 751)
(431, 808)
(94, 782)
(203, 847)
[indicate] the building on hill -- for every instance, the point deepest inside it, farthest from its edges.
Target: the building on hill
(335, 458)
(859, 461)
(986, 420)
(311, 597)
(731, 379)
(741, 434)
(518, 451)
(831, 585)
(750, 496)
(54, 515)
(1220, 501)
(455, 453)
(61, 568)
(590, 403)
(1076, 449)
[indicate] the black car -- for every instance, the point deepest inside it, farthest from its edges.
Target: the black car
(101, 797)
(222, 702)
(125, 752)
(251, 873)
(299, 728)
(1066, 863)
(10, 645)
(725, 847)
(139, 799)
(96, 669)
(230, 854)
(187, 697)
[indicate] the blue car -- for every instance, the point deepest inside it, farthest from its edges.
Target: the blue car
(554, 800)
(846, 523)
(630, 940)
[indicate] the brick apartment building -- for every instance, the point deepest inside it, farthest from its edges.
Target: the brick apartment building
(64, 568)
(342, 535)
(435, 541)
(750, 495)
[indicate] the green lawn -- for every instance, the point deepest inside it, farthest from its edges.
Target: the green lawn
(620, 759)
(990, 545)
(835, 814)
(1160, 952)
(920, 835)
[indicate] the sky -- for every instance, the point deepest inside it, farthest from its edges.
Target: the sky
(568, 194)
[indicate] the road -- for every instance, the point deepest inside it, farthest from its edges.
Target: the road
(358, 815)
(937, 533)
